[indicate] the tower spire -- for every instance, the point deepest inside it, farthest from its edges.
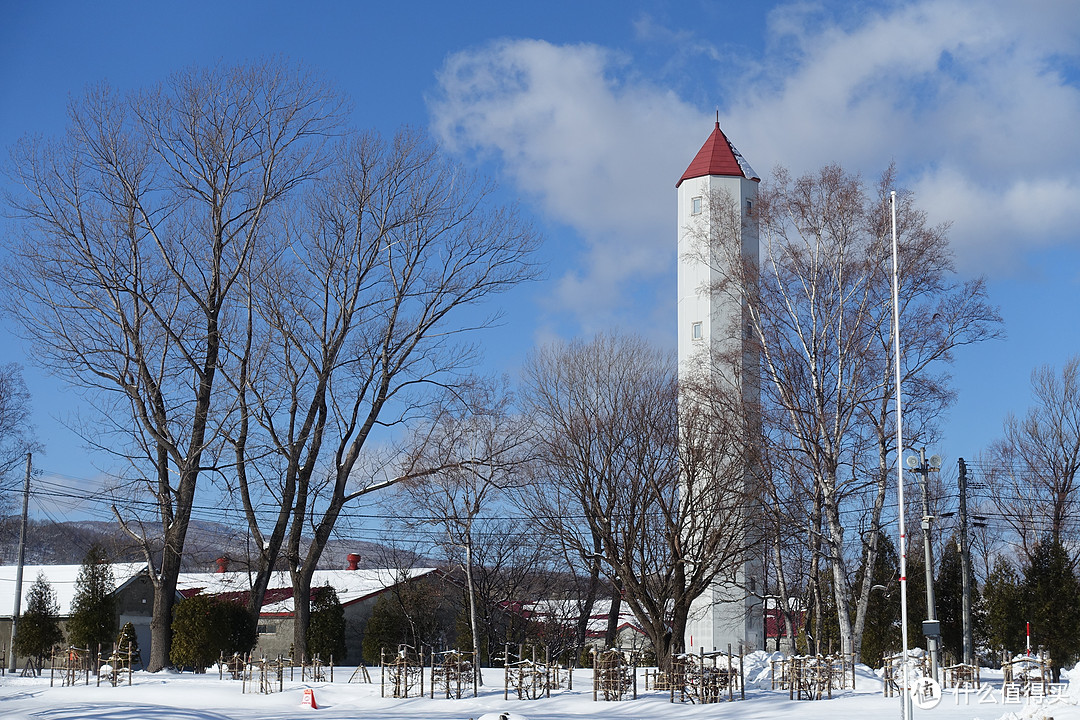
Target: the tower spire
(718, 157)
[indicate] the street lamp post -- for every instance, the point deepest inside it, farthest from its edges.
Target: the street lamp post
(931, 628)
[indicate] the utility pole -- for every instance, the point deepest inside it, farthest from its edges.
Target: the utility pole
(19, 567)
(965, 567)
(931, 628)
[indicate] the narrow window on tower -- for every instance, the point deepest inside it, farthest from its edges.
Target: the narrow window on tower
(749, 208)
(695, 206)
(695, 331)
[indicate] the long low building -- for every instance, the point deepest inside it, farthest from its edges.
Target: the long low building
(567, 613)
(357, 590)
(134, 593)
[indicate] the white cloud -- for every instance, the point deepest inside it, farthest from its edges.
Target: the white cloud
(994, 226)
(596, 153)
(974, 100)
(968, 98)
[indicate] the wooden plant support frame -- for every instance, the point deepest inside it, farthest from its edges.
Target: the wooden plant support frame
(704, 677)
(403, 671)
(893, 672)
(961, 676)
(614, 675)
(270, 672)
(529, 677)
(455, 671)
(121, 662)
(72, 663)
(812, 677)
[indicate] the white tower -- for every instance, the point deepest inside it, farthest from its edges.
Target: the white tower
(709, 325)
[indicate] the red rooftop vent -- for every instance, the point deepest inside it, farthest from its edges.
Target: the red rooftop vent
(354, 561)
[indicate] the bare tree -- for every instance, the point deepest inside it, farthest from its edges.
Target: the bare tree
(791, 516)
(135, 229)
(510, 568)
(586, 585)
(819, 312)
(813, 316)
(17, 438)
(574, 584)
(623, 470)
(479, 447)
(1035, 468)
(16, 430)
(353, 332)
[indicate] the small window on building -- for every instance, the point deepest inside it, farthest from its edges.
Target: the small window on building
(267, 629)
(749, 208)
(695, 206)
(695, 331)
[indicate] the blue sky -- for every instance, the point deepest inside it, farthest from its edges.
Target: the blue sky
(587, 113)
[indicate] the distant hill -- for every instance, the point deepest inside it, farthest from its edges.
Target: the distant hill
(66, 543)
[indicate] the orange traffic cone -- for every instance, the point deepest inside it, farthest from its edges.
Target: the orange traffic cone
(309, 699)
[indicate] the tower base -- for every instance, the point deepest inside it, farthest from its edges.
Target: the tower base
(725, 615)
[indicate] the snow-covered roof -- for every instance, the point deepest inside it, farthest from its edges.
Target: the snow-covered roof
(350, 585)
(60, 577)
(566, 611)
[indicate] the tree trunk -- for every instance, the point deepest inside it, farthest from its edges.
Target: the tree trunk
(841, 584)
(660, 637)
(611, 635)
(871, 559)
(818, 621)
(472, 607)
(581, 631)
(815, 572)
(677, 636)
(161, 620)
(301, 613)
(160, 632)
(171, 558)
(782, 589)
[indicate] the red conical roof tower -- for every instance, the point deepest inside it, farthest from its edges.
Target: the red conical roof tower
(718, 157)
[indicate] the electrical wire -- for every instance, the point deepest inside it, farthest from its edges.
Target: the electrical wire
(58, 495)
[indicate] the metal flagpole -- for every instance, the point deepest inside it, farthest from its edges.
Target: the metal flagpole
(905, 694)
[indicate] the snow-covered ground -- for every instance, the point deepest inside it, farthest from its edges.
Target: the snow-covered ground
(170, 696)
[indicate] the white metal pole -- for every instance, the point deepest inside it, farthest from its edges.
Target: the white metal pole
(905, 701)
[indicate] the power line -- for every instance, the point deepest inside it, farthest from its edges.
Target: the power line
(58, 494)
